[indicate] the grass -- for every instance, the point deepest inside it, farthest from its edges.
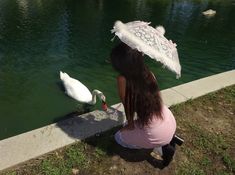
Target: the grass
(229, 162)
(190, 168)
(208, 150)
(207, 124)
(63, 162)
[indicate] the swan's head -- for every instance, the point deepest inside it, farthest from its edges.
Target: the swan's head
(101, 96)
(103, 99)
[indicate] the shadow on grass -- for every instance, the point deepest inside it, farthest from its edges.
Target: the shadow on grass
(106, 144)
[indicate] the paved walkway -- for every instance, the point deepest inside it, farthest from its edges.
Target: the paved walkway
(20, 148)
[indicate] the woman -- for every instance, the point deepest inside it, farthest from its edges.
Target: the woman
(150, 124)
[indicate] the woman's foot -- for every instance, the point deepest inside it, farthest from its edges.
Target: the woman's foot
(168, 153)
(177, 140)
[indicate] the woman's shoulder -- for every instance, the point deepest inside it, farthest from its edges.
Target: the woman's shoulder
(121, 79)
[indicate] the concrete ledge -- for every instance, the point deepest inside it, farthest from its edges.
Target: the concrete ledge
(171, 97)
(23, 147)
(206, 85)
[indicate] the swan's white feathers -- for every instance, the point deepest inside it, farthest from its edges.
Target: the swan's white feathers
(75, 88)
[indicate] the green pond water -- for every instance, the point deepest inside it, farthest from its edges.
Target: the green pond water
(38, 38)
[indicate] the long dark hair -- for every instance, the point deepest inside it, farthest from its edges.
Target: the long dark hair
(142, 92)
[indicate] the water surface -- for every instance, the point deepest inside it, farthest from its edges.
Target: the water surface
(38, 38)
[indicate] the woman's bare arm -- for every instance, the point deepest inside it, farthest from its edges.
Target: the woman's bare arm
(121, 84)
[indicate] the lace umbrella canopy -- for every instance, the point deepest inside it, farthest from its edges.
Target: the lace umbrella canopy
(150, 41)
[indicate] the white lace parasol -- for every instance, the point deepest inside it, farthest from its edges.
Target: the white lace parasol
(151, 41)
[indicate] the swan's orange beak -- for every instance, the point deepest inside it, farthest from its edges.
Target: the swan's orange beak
(104, 106)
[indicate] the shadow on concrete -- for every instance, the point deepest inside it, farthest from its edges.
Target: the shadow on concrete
(86, 125)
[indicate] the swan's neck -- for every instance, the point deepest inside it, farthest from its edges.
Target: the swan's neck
(94, 94)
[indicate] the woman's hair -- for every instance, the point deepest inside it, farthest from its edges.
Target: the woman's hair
(142, 93)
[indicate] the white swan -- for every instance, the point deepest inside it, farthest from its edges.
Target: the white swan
(80, 92)
(209, 12)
